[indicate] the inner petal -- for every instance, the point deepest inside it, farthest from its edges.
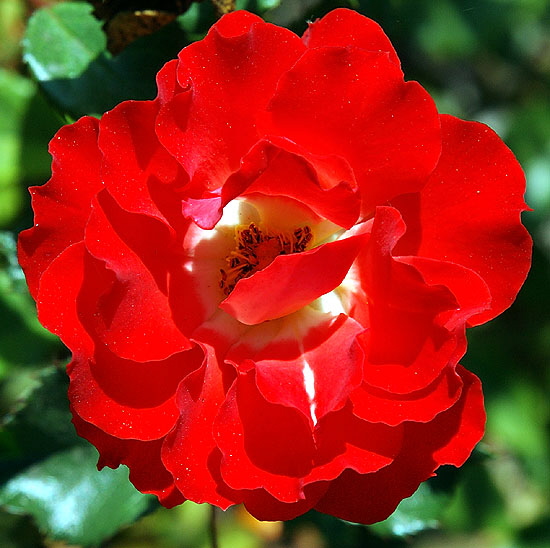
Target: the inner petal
(246, 246)
(263, 227)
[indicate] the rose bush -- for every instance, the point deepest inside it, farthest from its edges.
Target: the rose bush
(266, 273)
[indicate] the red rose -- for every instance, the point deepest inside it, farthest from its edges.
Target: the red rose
(265, 274)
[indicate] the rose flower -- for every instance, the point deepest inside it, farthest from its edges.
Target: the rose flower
(266, 273)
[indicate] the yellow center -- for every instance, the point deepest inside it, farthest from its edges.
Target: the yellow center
(256, 249)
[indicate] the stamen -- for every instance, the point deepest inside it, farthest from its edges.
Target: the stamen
(256, 249)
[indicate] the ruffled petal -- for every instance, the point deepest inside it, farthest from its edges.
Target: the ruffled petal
(167, 82)
(376, 405)
(311, 363)
(325, 183)
(462, 427)
(469, 212)
(108, 392)
(128, 132)
(265, 507)
(57, 298)
(407, 345)
(469, 289)
(355, 104)
(133, 316)
(62, 206)
(147, 472)
(228, 79)
(343, 27)
(255, 437)
(345, 442)
(190, 452)
(448, 439)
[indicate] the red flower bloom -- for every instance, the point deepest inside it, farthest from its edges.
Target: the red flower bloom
(265, 274)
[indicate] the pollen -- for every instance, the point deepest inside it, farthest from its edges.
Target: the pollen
(256, 248)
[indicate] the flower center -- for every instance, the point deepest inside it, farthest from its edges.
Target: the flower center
(256, 249)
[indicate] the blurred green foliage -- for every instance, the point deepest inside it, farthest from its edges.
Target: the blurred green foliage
(487, 60)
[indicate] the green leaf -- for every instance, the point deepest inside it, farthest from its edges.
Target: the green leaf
(61, 41)
(71, 501)
(37, 421)
(15, 91)
(418, 513)
(77, 72)
(26, 125)
(257, 6)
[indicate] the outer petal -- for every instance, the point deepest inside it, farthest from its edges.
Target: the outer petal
(448, 439)
(147, 472)
(167, 82)
(62, 205)
(343, 27)
(292, 281)
(265, 507)
(468, 417)
(469, 289)
(407, 345)
(133, 316)
(57, 298)
(190, 452)
(469, 212)
(376, 405)
(229, 77)
(128, 132)
(255, 437)
(109, 393)
(344, 442)
(355, 104)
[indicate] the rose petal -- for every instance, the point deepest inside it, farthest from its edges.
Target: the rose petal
(229, 77)
(167, 82)
(147, 472)
(376, 405)
(63, 204)
(292, 281)
(190, 452)
(346, 442)
(254, 437)
(312, 364)
(109, 393)
(407, 344)
(265, 170)
(344, 27)
(355, 104)
(128, 132)
(448, 439)
(264, 507)
(133, 316)
(469, 212)
(469, 289)
(325, 183)
(57, 297)
(468, 417)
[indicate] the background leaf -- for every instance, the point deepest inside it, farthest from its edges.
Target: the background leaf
(420, 512)
(66, 495)
(78, 74)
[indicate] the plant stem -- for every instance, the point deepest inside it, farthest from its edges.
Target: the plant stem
(213, 527)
